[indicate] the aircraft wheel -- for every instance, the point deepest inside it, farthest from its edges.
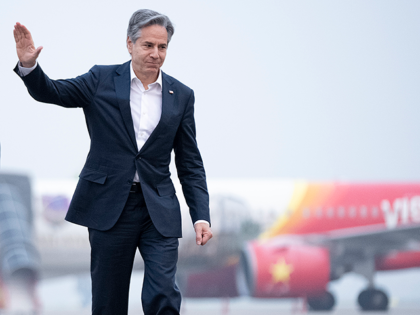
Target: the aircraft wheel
(324, 302)
(373, 300)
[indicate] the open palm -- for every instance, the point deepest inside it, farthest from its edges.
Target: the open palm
(26, 51)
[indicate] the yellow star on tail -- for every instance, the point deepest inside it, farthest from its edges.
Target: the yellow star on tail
(281, 271)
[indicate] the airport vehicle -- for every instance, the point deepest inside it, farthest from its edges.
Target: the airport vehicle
(273, 238)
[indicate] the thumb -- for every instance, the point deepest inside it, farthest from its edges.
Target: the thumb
(198, 235)
(38, 51)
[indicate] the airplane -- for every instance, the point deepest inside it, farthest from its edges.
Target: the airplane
(325, 231)
(272, 238)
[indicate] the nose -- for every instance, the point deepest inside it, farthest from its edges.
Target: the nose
(154, 53)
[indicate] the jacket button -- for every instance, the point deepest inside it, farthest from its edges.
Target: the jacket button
(139, 157)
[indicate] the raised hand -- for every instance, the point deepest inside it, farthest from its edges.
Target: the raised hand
(25, 48)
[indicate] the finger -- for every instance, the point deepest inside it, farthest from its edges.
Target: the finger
(199, 235)
(18, 27)
(206, 237)
(199, 239)
(15, 35)
(19, 31)
(24, 29)
(23, 32)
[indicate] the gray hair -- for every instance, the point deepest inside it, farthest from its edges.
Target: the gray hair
(143, 18)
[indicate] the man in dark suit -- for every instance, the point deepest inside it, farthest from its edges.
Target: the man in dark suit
(135, 114)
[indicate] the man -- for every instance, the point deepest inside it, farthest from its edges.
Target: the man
(136, 115)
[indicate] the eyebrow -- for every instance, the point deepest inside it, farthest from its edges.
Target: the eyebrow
(150, 43)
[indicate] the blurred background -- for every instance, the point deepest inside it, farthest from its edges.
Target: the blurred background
(286, 91)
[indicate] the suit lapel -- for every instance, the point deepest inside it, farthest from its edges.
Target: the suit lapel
(122, 88)
(167, 108)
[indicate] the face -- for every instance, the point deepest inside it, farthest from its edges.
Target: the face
(149, 51)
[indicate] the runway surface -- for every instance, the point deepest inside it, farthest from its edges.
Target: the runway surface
(273, 312)
(250, 308)
(70, 295)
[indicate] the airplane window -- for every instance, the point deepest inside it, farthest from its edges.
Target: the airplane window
(363, 211)
(319, 213)
(341, 212)
(375, 212)
(352, 212)
(330, 212)
(306, 213)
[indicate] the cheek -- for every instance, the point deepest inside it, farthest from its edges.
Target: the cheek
(162, 57)
(138, 55)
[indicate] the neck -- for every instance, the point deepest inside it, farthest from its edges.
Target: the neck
(146, 79)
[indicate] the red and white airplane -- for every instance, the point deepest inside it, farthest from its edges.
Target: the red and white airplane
(325, 231)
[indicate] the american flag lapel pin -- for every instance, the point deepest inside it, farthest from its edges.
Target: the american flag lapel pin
(171, 92)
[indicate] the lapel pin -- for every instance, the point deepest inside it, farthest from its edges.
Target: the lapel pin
(171, 92)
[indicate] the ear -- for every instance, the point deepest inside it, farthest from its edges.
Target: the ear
(129, 45)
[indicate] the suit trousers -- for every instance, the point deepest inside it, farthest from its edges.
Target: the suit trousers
(112, 257)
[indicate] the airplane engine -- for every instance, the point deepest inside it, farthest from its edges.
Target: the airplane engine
(398, 260)
(271, 270)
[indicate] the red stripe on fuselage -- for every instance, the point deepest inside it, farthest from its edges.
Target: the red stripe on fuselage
(331, 206)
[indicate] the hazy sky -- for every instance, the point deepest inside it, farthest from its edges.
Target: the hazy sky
(321, 90)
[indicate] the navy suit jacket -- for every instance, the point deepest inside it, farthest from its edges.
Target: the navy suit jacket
(106, 178)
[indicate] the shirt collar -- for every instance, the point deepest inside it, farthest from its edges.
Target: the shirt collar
(133, 76)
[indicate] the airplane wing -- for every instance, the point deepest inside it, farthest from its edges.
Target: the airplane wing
(377, 239)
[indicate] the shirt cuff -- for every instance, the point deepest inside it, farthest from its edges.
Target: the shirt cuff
(201, 221)
(25, 71)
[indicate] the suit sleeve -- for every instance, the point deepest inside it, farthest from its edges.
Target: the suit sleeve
(190, 167)
(77, 92)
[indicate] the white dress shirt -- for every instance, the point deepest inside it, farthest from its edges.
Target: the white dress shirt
(146, 108)
(145, 105)
(25, 71)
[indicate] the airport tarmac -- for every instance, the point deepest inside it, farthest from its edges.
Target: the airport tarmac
(273, 312)
(217, 308)
(70, 295)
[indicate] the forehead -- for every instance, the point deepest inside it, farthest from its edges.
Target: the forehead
(154, 33)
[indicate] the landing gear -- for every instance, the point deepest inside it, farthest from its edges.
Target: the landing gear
(324, 302)
(373, 300)
(370, 299)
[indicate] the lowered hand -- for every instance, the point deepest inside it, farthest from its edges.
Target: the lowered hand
(202, 233)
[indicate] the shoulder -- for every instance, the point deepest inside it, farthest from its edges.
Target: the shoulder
(108, 68)
(179, 85)
(103, 72)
